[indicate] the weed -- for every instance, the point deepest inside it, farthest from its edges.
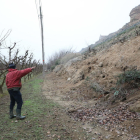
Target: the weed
(57, 62)
(52, 67)
(131, 77)
(113, 88)
(96, 87)
(87, 78)
(32, 108)
(44, 118)
(126, 81)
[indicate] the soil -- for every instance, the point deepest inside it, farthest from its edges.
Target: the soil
(45, 119)
(86, 112)
(58, 89)
(86, 90)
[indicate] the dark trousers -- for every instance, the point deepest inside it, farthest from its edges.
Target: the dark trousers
(15, 96)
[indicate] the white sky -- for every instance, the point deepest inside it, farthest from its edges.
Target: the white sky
(67, 23)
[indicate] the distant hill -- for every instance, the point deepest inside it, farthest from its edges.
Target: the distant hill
(134, 21)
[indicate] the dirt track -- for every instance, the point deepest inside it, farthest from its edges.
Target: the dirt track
(114, 122)
(58, 89)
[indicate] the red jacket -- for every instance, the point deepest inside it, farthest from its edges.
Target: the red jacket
(13, 78)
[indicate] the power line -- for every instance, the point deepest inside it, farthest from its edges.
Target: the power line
(37, 13)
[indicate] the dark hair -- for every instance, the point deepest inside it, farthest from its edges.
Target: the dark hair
(12, 66)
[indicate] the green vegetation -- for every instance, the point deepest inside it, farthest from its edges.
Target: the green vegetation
(60, 57)
(127, 33)
(57, 62)
(126, 82)
(12, 129)
(45, 119)
(87, 78)
(52, 67)
(130, 77)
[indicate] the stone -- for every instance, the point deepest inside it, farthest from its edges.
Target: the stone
(100, 64)
(95, 86)
(69, 79)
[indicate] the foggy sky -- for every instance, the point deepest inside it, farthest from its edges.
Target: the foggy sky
(67, 23)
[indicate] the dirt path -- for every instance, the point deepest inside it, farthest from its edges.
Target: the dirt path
(56, 88)
(64, 117)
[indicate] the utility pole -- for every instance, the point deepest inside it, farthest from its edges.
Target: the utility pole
(42, 38)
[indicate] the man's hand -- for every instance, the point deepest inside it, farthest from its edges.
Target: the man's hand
(32, 68)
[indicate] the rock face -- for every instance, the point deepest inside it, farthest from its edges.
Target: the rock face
(102, 37)
(134, 19)
(135, 14)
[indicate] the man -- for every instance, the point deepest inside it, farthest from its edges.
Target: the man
(13, 83)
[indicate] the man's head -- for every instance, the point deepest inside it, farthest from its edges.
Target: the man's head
(12, 66)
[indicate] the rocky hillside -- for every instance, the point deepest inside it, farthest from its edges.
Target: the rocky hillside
(122, 34)
(107, 80)
(101, 69)
(97, 71)
(92, 78)
(135, 14)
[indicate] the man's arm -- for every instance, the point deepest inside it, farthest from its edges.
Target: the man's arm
(24, 72)
(32, 68)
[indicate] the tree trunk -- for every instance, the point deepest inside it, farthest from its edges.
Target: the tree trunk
(30, 75)
(1, 90)
(24, 79)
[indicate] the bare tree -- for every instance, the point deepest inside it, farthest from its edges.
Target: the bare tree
(10, 51)
(20, 61)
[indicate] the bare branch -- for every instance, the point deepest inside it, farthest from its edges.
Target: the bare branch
(5, 36)
(10, 51)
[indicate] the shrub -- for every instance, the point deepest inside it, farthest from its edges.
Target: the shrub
(129, 77)
(57, 62)
(55, 59)
(52, 67)
(87, 78)
(126, 81)
(60, 57)
(68, 56)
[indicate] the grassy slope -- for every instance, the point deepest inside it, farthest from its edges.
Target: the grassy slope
(44, 118)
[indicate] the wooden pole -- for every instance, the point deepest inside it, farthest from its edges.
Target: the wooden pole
(42, 38)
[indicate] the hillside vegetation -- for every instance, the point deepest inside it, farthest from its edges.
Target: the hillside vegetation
(107, 79)
(90, 96)
(100, 87)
